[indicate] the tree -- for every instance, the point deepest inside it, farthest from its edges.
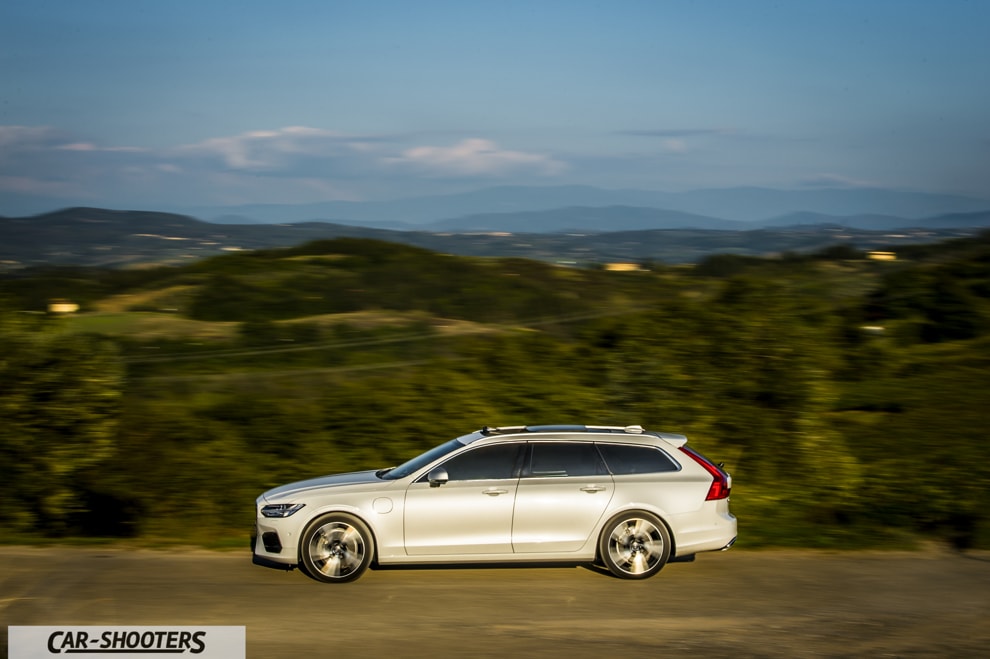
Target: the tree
(59, 405)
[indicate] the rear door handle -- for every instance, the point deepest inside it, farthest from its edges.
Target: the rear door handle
(494, 492)
(591, 489)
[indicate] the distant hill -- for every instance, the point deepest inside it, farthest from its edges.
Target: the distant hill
(738, 204)
(884, 222)
(980, 220)
(633, 218)
(101, 237)
(759, 204)
(868, 222)
(598, 219)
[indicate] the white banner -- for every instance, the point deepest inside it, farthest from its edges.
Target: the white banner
(121, 642)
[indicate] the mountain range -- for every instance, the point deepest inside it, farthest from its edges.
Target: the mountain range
(563, 223)
(112, 238)
(763, 206)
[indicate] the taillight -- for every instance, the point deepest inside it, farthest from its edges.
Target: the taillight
(719, 488)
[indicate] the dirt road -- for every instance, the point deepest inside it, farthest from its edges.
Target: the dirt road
(737, 603)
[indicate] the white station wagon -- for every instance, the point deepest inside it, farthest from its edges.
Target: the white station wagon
(627, 499)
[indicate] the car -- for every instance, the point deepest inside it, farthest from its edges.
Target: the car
(624, 498)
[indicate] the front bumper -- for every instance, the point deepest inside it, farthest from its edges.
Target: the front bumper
(266, 562)
(267, 549)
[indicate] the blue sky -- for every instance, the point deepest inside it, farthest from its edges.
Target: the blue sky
(154, 105)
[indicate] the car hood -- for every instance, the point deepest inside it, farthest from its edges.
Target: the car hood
(335, 480)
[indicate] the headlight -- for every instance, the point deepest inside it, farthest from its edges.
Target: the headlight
(281, 509)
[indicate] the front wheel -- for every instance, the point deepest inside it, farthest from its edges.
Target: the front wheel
(335, 548)
(634, 545)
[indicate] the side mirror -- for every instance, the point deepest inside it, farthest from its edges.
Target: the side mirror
(437, 477)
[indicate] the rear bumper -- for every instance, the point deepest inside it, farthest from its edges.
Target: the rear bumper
(717, 534)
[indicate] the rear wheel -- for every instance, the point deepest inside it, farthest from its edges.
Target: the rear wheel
(336, 547)
(634, 545)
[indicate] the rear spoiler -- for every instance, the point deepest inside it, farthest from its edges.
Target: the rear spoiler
(674, 438)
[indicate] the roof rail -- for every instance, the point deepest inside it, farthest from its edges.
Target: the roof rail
(631, 429)
(557, 428)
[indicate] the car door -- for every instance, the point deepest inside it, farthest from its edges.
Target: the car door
(563, 491)
(472, 512)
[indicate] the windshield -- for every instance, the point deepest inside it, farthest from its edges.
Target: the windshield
(422, 460)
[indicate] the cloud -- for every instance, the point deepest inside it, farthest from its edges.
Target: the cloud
(25, 139)
(276, 149)
(16, 141)
(42, 162)
(12, 136)
(675, 145)
(289, 164)
(676, 133)
(476, 156)
(26, 185)
(90, 147)
(676, 140)
(30, 166)
(289, 149)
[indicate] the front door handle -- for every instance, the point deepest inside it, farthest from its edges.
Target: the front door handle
(591, 489)
(494, 492)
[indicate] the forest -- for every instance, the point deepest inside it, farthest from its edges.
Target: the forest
(847, 396)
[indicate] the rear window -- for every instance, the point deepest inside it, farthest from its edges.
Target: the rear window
(623, 459)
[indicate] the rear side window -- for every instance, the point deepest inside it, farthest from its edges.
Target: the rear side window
(623, 459)
(565, 459)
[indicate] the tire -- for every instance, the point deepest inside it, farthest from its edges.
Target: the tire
(335, 548)
(634, 545)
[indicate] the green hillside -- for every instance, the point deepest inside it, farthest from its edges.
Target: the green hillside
(846, 396)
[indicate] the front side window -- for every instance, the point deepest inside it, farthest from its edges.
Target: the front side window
(623, 459)
(422, 460)
(565, 459)
(484, 463)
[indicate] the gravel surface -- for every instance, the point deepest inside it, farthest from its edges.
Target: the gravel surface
(932, 603)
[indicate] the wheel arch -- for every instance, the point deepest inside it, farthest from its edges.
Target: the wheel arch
(625, 510)
(356, 513)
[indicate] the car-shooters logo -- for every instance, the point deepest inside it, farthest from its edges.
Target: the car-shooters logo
(118, 642)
